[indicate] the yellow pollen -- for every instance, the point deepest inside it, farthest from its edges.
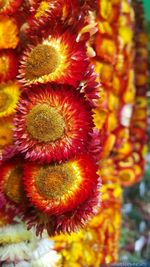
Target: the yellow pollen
(42, 60)
(45, 123)
(54, 182)
(13, 186)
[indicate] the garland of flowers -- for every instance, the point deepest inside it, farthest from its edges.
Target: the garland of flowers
(52, 122)
(119, 158)
(69, 111)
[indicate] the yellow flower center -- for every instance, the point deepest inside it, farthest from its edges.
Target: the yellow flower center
(4, 101)
(13, 186)
(126, 175)
(54, 182)
(45, 123)
(42, 60)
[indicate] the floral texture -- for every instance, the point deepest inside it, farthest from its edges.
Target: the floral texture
(9, 7)
(52, 123)
(57, 59)
(72, 115)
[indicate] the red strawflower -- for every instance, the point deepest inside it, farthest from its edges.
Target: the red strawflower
(52, 123)
(66, 221)
(7, 60)
(57, 59)
(59, 188)
(7, 148)
(127, 176)
(12, 195)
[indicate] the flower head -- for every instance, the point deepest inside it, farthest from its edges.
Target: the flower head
(14, 233)
(101, 233)
(16, 252)
(66, 222)
(54, 59)
(106, 49)
(64, 195)
(8, 33)
(7, 60)
(7, 149)
(44, 255)
(127, 176)
(52, 123)
(59, 188)
(11, 187)
(9, 96)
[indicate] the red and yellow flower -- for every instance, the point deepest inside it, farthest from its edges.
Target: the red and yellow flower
(7, 60)
(57, 59)
(63, 196)
(106, 49)
(67, 222)
(7, 149)
(101, 233)
(8, 33)
(9, 97)
(52, 123)
(11, 186)
(56, 189)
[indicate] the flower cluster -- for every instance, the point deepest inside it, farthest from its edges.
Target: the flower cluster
(130, 151)
(21, 248)
(97, 243)
(72, 109)
(48, 143)
(121, 114)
